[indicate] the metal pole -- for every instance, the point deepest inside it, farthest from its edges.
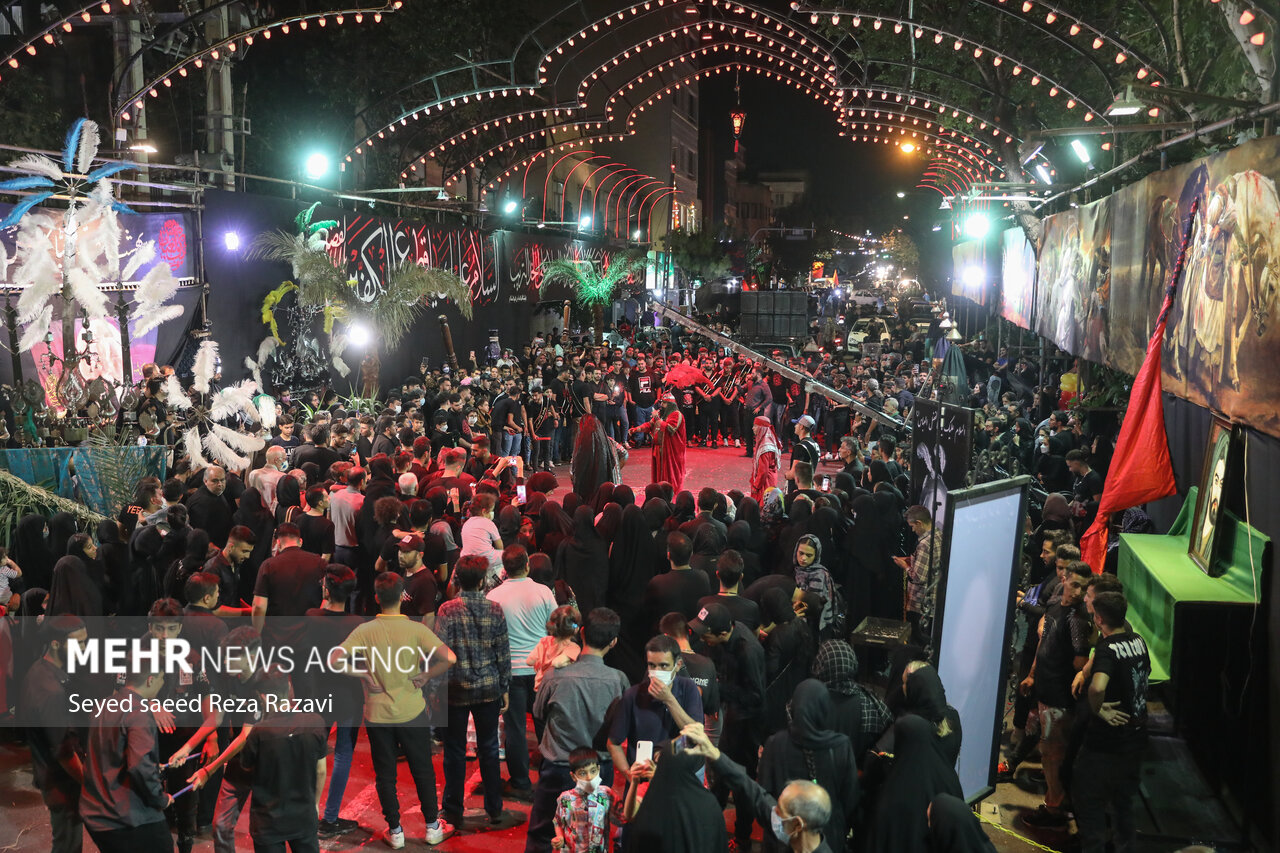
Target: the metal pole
(448, 343)
(11, 320)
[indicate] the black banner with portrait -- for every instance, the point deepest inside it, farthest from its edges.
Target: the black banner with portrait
(941, 450)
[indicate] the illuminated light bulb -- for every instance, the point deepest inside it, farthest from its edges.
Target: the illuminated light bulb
(877, 24)
(48, 38)
(1050, 18)
(977, 52)
(248, 41)
(897, 28)
(31, 49)
(153, 93)
(266, 34)
(231, 47)
(302, 25)
(182, 72)
(1153, 112)
(1120, 58)
(1246, 17)
(1259, 38)
(813, 19)
(1142, 73)
(996, 61)
(1053, 91)
(86, 17)
(322, 22)
(199, 63)
(1071, 104)
(1106, 146)
(1017, 69)
(1035, 81)
(919, 32)
(66, 26)
(106, 8)
(1075, 29)
(377, 17)
(1097, 42)
(284, 28)
(167, 83)
(359, 18)
(937, 38)
(1088, 116)
(1026, 7)
(959, 44)
(125, 116)
(213, 53)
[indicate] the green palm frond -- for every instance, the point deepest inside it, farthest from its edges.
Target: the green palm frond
(276, 246)
(433, 281)
(591, 284)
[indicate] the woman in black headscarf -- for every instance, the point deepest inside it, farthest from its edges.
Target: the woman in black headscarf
(192, 561)
(678, 815)
(926, 697)
(954, 828)
(554, 527)
(707, 548)
(72, 591)
(899, 822)
(808, 749)
(253, 513)
(788, 654)
(594, 459)
(509, 523)
(633, 556)
(602, 497)
(886, 599)
(868, 566)
(582, 561)
(288, 500)
(62, 526)
(797, 525)
(81, 546)
(31, 551)
(624, 496)
(878, 473)
(113, 551)
(570, 503)
(740, 540)
(542, 571)
(609, 521)
(683, 508)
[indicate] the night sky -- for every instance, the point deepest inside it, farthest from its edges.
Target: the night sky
(853, 186)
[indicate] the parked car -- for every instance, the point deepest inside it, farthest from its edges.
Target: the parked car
(863, 329)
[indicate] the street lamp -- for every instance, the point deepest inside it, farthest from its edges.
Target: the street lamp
(584, 222)
(510, 206)
(316, 166)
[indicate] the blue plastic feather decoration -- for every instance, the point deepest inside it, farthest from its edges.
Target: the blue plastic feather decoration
(73, 144)
(27, 183)
(106, 171)
(23, 206)
(121, 207)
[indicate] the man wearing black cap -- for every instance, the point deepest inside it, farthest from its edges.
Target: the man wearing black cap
(739, 660)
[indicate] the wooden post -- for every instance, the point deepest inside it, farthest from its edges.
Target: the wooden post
(448, 343)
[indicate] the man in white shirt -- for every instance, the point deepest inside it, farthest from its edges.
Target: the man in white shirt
(527, 605)
(266, 478)
(344, 510)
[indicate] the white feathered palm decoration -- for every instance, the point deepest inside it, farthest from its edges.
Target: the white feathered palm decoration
(92, 256)
(206, 366)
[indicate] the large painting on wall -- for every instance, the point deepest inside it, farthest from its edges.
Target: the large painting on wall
(1018, 277)
(1103, 269)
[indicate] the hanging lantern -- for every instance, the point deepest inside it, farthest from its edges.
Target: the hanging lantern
(738, 118)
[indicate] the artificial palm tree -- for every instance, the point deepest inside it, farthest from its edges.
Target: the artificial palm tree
(594, 285)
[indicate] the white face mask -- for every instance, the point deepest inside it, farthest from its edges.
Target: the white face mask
(471, 420)
(662, 676)
(395, 409)
(589, 785)
(779, 831)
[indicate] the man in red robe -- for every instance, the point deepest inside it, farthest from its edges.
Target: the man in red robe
(764, 470)
(669, 443)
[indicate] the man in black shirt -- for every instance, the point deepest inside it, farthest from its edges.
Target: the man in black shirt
(123, 800)
(284, 755)
(316, 450)
(739, 660)
(226, 565)
(56, 765)
(729, 568)
(644, 391)
(315, 526)
(208, 507)
(421, 592)
(1086, 488)
(677, 590)
(1062, 652)
(805, 449)
(327, 626)
(288, 584)
(1106, 770)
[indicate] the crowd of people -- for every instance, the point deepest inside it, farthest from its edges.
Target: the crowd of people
(671, 650)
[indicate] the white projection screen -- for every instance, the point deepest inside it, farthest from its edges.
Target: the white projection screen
(973, 623)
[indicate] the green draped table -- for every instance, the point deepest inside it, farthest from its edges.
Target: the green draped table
(1160, 578)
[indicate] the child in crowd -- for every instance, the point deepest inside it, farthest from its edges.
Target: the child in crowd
(584, 812)
(558, 647)
(9, 572)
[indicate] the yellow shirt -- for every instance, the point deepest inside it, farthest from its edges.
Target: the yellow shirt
(394, 649)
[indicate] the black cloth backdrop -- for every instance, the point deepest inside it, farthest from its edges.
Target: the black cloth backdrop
(1229, 662)
(502, 269)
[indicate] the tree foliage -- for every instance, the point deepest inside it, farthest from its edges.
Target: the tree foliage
(902, 251)
(699, 255)
(593, 283)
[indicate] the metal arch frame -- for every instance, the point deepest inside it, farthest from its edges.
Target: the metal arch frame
(649, 227)
(608, 199)
(630, 195)
(546, 182)
(64, 23)
(643, 202)
(136, 98)
(701, 73)
(1004, 9)
(568, 175)
(951, 107)
(582, 193)
(621, 174)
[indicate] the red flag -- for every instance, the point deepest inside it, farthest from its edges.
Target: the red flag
(1140, 468)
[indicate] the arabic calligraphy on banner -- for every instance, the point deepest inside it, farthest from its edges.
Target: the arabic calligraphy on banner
(371, 247)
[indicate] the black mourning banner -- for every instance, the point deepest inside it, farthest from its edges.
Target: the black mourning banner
(941, 447)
